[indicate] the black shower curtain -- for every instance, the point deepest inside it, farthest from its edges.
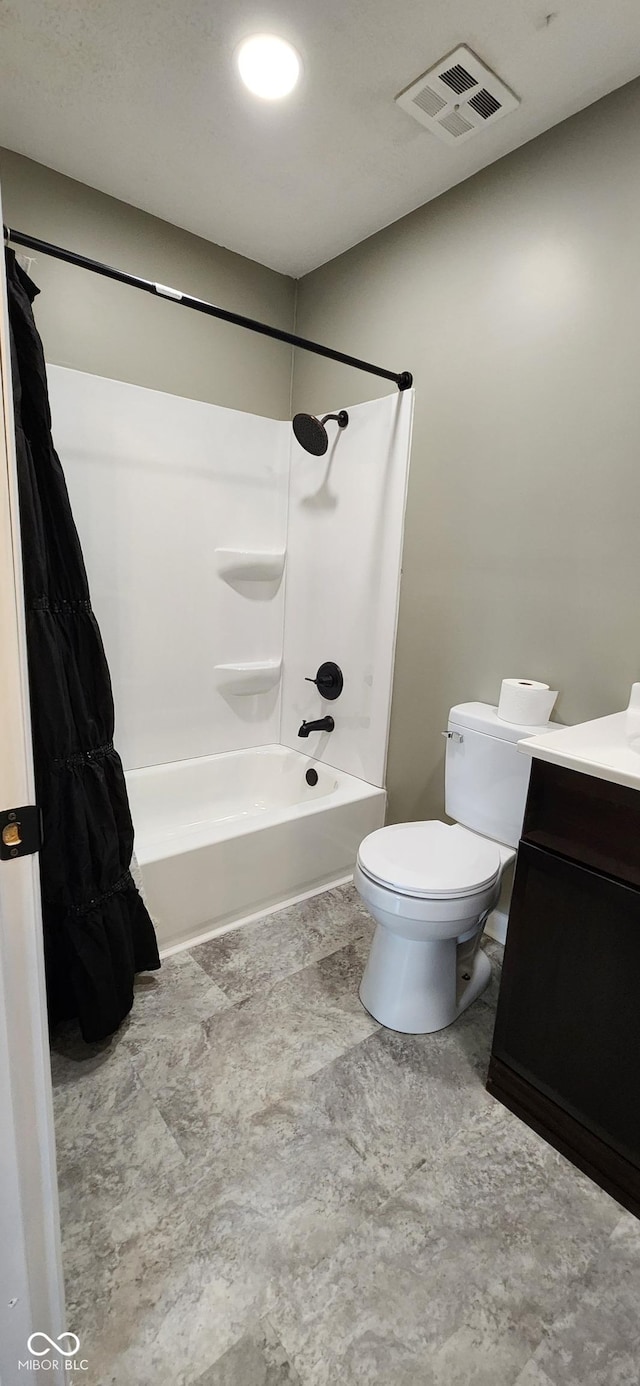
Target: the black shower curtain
(97, 933)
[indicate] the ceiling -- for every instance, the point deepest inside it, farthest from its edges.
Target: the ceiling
(140, 99)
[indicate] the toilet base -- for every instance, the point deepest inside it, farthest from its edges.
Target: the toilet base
(413, 986)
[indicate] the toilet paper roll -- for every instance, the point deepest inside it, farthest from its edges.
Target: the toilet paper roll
(526, 702)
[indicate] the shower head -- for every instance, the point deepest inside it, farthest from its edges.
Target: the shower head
(311, 432)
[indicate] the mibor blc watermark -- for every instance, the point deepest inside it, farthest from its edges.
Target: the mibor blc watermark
(52, 1354)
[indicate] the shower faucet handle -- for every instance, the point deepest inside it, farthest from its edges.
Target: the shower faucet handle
(328, 680)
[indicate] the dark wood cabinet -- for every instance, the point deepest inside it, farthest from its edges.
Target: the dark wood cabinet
(566, 1047)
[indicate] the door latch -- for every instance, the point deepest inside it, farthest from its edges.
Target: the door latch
(20, 832)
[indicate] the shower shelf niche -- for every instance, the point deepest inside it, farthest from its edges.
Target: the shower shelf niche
(250, 565)
(248, 678)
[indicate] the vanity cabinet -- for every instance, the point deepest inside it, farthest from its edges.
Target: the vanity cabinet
(566, 1047)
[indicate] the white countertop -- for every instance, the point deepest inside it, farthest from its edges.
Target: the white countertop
(599, 748)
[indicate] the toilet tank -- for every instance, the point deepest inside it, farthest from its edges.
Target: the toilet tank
(486, 776)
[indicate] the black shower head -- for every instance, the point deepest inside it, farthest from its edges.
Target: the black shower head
(311, 432)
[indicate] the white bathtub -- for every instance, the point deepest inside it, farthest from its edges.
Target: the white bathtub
(227, 836)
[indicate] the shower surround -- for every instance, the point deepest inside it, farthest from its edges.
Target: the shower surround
(226, 564)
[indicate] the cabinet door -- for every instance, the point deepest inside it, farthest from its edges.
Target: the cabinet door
(569, 1008)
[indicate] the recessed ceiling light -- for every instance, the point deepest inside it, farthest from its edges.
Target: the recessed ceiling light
(268, 66)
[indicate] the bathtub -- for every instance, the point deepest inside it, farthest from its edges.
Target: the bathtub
(224, 837)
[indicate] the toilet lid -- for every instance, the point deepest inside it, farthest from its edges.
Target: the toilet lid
(429, 860)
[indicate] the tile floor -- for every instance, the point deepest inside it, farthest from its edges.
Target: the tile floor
(260, 1186)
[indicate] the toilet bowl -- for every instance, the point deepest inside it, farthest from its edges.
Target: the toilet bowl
(429, 887)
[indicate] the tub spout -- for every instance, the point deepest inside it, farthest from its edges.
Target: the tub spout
(323, 724)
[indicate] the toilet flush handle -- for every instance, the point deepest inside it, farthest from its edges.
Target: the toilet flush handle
(453, 736)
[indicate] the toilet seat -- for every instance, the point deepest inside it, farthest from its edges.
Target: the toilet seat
(429, 860)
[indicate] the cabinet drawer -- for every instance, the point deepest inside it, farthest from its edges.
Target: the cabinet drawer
(589, 820)
(568, 1017)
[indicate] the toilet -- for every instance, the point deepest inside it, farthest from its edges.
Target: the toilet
(432, 886)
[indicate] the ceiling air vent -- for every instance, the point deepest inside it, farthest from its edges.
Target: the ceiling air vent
(455, 124)
(458, 78)
(458, 97)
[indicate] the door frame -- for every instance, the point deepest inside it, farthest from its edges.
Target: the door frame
(31, 1280)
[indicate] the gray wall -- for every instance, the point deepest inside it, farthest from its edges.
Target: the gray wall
(515, 300)
(97, 325)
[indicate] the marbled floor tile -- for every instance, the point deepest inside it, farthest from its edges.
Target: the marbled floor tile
(304, 1189)
(94, 1078)
(486, 1350)
(114, 1160)
(493, 949)
(254, 956)
(93, 1097)
(258, 1359)
(495, 953)
(224, 1162)
(398, 1098)
(163, 1280)
(533, 1375)
(157, 1306)
(157, 1299)
(88, 1080)
(243, 1058)
(460, 1270)
(596, 1342)
(112, 1142)
(179, 995)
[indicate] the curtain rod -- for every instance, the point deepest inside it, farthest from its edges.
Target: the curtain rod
(403, 379)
